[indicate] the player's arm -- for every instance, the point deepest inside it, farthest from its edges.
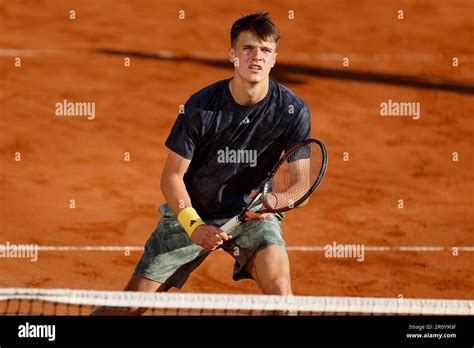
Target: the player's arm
(177, 197)
(172, 184)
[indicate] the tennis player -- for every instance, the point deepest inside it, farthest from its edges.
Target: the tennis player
(221, 147)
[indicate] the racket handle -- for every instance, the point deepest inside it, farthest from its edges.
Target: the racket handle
(231, 225)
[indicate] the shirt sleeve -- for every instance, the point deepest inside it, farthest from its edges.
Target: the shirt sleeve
(301, 128)
(186, 132)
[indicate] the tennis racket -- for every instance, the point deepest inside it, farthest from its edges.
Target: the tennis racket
(290, 183)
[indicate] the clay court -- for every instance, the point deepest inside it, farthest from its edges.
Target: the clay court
(389, 158)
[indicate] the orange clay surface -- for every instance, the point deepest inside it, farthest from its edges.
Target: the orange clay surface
(390, 158)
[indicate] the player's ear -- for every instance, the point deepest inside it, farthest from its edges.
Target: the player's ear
(231, 55)
(232, 58)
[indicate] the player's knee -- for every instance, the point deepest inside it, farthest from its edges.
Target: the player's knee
(280, 285)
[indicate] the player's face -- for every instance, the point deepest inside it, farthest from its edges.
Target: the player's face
(253, 58)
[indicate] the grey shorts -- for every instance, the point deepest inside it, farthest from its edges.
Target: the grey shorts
(170, 255)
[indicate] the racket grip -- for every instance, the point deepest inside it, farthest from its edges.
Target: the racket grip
(231, 225)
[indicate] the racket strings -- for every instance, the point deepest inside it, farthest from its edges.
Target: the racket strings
(295, 177)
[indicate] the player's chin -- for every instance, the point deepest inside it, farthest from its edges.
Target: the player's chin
(256, 78)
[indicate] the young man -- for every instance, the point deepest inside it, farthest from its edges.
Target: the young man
(230, 135)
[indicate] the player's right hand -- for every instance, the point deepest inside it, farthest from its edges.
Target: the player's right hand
(209, 237)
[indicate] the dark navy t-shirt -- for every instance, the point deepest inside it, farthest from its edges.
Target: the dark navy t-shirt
(233, 147)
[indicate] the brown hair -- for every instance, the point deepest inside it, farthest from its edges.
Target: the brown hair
(259, 24)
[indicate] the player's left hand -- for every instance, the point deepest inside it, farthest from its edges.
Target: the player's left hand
(252, 216)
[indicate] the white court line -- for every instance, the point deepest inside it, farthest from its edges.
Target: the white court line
(289, 248)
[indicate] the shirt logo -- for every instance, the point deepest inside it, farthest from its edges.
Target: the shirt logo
(245, 121)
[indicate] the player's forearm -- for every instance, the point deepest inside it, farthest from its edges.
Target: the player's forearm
(175, 193)
(177, 197)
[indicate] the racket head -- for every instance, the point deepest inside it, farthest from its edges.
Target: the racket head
(295, 177)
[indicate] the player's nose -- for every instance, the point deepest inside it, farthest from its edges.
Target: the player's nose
(257, 54)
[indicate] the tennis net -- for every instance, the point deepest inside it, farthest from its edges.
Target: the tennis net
(28, 301)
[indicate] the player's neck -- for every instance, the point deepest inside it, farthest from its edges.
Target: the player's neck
(245, 93)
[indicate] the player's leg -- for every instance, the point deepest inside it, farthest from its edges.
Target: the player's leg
(259, 250)
(270, 268)
(136, 283)
(168, 259)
